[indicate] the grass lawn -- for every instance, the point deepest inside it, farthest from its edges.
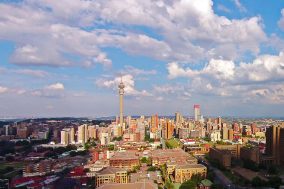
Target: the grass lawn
(12, 173)
(13, 164)
(172, 143)
(176, 185)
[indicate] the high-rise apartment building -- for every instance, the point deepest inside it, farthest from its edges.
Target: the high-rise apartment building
(6, 130)
(169, 129)
(154, 123)
(105, 139)
(236, 127)
(231, 134)
(72, 135)
(178, 119)
(225, 133)
(67, 136)
(197, 114)
(92, 132)
(64, 138)
(22, 131)
(253, 128)
(83, 135)
(275, 143)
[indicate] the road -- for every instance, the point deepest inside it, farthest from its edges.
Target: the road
(220, 177)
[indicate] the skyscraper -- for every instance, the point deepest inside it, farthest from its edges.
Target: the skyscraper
(197, 114)
(64, 137)
(178, 119)
(72, 135)
(6, 127)
(275, 143)
(83, 133)
(154, 123)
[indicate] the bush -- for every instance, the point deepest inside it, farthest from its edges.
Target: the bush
(257, 182)
(152, 168)
(248, 164)
(274, 182)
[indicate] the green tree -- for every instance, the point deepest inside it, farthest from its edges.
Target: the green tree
(169, 185)
(250, 165)
(272, 170)
(188, 185)
(257, 182)
(152, 168)
(274, 182)
(117, 138)
(111, 147)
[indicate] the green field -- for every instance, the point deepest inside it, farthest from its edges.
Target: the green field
(173, 143)
(15, 165)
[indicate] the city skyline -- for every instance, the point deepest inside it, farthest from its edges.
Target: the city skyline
(58, 61)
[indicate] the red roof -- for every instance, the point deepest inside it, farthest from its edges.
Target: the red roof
(26, 179)
(77, 171)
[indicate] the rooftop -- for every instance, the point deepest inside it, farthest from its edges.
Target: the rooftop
(111, 170)
(188, 166)
(138, 185)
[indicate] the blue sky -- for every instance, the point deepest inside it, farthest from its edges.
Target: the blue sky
(66, 58)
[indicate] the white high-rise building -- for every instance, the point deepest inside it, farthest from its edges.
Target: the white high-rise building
(64, 137)
(197, 114)
(81, 134)
(6, 127)
(105, 139)
(215, 135)
(72, 135)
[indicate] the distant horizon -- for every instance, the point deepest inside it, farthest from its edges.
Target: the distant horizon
(136, 116)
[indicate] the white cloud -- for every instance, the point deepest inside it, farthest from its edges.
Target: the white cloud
(3, 89)
(281, 21)
(34, 73)
(55, 86)
(54, 35)
(223, 8)
(136, 72)
(29, 72)
(261, 77)
(129, 83)
(240, 6)
(263, 68)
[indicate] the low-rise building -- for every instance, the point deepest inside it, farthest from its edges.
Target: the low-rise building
(233, 149)
(146, 184)
(128, 160)
(184, 172)
(111, 175)
(160, 157)
(250, 153)
(223, 157)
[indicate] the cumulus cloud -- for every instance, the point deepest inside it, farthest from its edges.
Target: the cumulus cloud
(55, 35)
(263, 68)
(226, 78)
(55, 86)
(129, 83)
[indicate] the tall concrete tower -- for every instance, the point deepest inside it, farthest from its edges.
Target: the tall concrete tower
(121, 87)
